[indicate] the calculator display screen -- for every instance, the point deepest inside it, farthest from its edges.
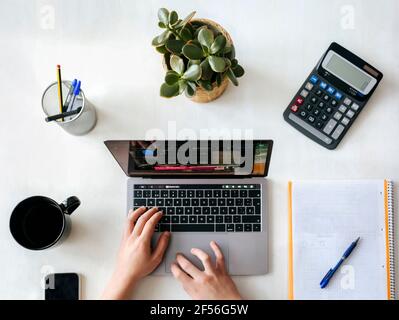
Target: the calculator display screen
(346, 71)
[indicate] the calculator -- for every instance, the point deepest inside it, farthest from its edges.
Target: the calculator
(332, 96)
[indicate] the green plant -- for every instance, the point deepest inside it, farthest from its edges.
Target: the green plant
(196, 55)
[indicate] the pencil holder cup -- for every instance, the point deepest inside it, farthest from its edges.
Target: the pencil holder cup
(77, 124)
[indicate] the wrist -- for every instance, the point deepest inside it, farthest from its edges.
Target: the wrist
(119, 287)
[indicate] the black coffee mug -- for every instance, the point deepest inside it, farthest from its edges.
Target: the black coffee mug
(39, 223)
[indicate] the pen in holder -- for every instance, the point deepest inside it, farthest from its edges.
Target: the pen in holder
(77, 123)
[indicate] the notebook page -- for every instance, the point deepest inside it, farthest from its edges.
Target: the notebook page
(327, 216)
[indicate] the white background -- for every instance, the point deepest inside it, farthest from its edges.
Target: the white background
(107, 44)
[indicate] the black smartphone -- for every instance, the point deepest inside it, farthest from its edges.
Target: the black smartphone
(62, 286)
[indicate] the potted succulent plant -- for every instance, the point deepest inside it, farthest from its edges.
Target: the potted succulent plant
(198, 55)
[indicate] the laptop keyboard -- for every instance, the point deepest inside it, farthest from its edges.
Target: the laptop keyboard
(203, 208)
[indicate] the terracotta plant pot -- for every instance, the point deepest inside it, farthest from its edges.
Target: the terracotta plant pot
(201, 95)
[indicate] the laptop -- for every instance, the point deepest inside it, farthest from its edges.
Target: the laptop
(208, 190)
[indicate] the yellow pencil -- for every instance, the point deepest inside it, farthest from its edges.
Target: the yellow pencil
(59, 83)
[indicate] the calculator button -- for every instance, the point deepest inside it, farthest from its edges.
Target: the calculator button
(355, 106)
(316, 112)
(350, 114)
(330, 126)
(334, 103)
(342, 108)
(299, 101)
(313, 79)
(347, 101)
(324, 117)
(338, 131)
(319, 124)
(311, 119)
(331, 90)
(313, 100)
(309, 128)
(338, 116)
(303, 114)
(329, 110)
(326, 97)
(323, 85)
(304, 93)
(321, 104)
(318, 92)
(294, 108)
(309, 107)
(309, 86)
(345, 121)
(338, 95)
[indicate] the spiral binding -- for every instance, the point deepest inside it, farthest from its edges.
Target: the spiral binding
(391, 239)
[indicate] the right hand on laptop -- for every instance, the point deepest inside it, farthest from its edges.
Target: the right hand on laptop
(214, 283)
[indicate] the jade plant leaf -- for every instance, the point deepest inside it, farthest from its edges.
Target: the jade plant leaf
(182, 86)
(168, 91)
(192, 52)
(238, 71)
(163, 16)
(219, 44)
(206, 84)
(186, 20)
(192, 62)
(217, 64)
(177, 64)
(232, 77)
(190, 91)
(174, 46)
(161, 49)
(173, 18)
(207, 71)
(172, 77)
(161, 25)
(193, 73)
(160, 40)
(186, 34)
(205, 37)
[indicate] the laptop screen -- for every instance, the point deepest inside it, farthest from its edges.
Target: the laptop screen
(216, 158)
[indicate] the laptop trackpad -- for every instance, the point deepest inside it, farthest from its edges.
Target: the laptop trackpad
(184, 242)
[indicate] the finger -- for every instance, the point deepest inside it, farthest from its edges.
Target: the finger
(204, 257)
(188, 267)
(161, 246)
(149, 227)
(131, 220)
(180, 275)
(219, 256)
(138, 228)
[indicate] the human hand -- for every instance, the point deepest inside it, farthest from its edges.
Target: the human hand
(136, 259)
(213, 283)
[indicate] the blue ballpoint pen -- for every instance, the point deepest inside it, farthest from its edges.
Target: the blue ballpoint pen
(331, 272)
(69, 95)
(76, 92)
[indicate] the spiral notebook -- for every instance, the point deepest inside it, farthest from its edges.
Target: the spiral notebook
(324, 218)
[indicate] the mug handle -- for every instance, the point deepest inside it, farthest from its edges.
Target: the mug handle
(70, 205)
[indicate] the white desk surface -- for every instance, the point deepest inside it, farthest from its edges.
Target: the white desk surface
(107, 44)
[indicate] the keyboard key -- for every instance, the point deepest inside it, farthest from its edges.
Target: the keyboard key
(173, 193)
(241, 210)
(215, 210)
(190, 193)
(334, 103)
(299, 101)
(223, 210)
(170, 210)
(248, 202)
(250, 219)
(256, 227)
(324, 117)
(208, 193)
(150, 202)
(197, 210)
(168, 202)
(147, 194)
(239, 227)
(230, 202)
(219, 219)
(232, 210)
(256, 202)
(212, 202)
(234, 193)
(164, 194)
(177, 202)
(237, 219)
(319, 124)
(321, 105)
(226, 193)
(316, 112)
(165, 219)
(184, 219)
(175, 219)
(192, 219)
(138, 194)
(247, 227)
(318, 92)
(220, 227)
(188, 210)
(243, 193)
(155, 194)
(164, 227)
(303, 114)
(182, 193)
(139, 202)
(313, 100)
(330, 126)
(338, 131)
(329, 110)
(210, 219)
(221, 202)
(254, 193)
(228, 219)
(239, 202)
(159, 202)
(193, 228)
(195, 202)
(338, 116)
(313, 79)
(217, 193)
(309, 107)
(230, 227)
(345, 121)
(250, 210)
(199, 193)
(355, 107)
(201, 219)
(206, 210)
(179, 210)
(342, 108)
(204, 202)
(326, 97)
(186, 202)
(311, 119)
(304, 93)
